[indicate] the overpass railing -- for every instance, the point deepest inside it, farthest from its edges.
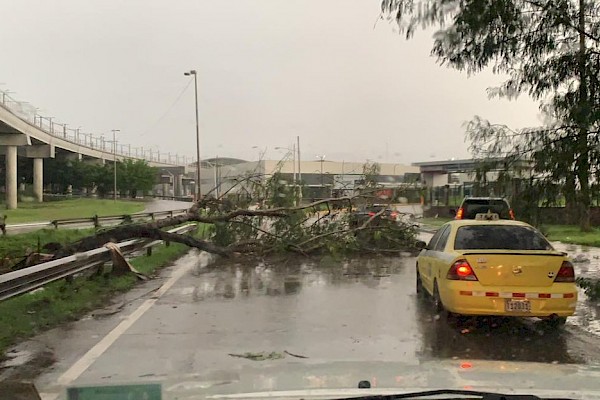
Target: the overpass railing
(28, 113)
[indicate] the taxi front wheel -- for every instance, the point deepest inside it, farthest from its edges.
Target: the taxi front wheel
(419, 286)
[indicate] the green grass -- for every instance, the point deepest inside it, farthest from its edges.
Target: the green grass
(561, 233)
(24, 316)
(15, 246)
(434, 221)
(76, 208)
(572, 234)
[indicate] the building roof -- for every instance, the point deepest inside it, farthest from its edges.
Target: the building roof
(209, 162)
(461, 165)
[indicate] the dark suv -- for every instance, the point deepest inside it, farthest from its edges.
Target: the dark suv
(471, 206)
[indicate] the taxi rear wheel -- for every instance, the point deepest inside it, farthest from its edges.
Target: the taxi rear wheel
(556, 322)
(438, 306)
(439, 309)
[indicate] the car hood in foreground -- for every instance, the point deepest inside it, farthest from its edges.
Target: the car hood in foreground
(313, 379)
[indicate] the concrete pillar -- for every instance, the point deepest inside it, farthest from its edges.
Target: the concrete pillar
(179, 185)
(11, 177)
(38, 179)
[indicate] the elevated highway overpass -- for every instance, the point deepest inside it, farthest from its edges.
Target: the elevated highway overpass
(24, 133)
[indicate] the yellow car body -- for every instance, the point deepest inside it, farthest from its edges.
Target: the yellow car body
(526, 278)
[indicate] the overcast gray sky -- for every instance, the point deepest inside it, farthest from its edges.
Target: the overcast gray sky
(268, 70)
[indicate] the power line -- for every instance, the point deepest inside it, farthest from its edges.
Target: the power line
(159, 120)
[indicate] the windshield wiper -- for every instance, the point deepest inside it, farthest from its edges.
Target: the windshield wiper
(463, 394)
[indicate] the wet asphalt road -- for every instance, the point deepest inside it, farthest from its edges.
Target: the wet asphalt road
(329, 311)
(166, 205)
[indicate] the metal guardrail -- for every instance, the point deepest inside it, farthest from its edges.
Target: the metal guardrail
(96, 220)
(28, 279)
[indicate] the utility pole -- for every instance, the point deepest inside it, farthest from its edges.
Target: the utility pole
(294, 162)
(216, 170)
(298, 149)
(321, 160)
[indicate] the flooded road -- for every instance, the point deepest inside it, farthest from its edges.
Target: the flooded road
(586, 261)
(301, 311)
(362, 309)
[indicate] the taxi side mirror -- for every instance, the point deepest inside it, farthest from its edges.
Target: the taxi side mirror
(419, 244)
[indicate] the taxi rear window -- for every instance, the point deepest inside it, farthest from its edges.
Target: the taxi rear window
(499, 237)
(472, 207)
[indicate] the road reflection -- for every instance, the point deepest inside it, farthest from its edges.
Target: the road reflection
(368, 306)
(491, 338)
(272, 279)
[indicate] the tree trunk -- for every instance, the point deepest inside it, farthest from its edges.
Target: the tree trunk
(582, 163)
(571, 211)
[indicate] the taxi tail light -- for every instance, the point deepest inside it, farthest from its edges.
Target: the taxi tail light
(461, 271)
(511, 213)
(566, 273)
(460, 213)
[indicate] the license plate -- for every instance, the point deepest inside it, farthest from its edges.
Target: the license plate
(517, 306)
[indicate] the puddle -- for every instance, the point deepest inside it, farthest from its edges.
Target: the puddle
(271, 279)
(586, 260)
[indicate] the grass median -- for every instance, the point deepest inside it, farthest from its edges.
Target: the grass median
(59, 302)
(434, 222)
(560, 233)
(15, 247)
(75, 208)
(572, 234)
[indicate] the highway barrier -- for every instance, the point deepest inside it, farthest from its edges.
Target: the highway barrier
(31, 278)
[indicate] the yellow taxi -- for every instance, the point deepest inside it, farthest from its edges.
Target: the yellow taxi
(488, 266)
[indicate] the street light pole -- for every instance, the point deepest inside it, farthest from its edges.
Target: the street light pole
(114, 131)
(198, 184)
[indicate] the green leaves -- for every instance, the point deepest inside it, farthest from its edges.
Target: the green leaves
(591, 287)
(550, 49)
(135, 175)
(132, 175)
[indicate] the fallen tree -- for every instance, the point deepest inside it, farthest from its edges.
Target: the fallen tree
(270, 223)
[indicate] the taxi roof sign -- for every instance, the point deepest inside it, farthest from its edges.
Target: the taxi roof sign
(489, 216)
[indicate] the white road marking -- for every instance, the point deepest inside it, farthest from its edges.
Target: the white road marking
(95, 352)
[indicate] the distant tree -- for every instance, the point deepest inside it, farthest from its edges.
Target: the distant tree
(59, 173)
(101, 177)
(371, 172)
(135, 176)
(278, 192)
(550, 49)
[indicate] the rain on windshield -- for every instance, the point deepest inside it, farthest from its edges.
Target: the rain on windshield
(208, 198)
